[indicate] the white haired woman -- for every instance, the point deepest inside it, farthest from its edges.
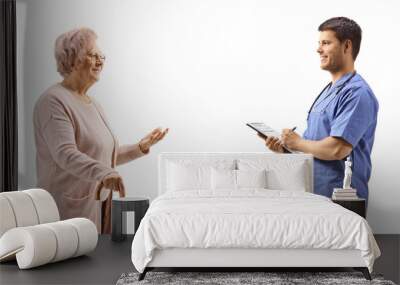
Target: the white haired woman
(76, 151)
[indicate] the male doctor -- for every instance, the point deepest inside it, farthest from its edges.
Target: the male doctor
(342, 120)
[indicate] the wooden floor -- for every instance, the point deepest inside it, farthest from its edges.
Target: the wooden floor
(111, 259)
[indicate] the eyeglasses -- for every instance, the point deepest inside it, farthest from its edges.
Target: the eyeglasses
(96, 56)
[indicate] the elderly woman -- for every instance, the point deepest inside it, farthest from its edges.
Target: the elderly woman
(76, 149)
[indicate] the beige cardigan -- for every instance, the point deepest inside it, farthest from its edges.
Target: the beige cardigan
(75, 150)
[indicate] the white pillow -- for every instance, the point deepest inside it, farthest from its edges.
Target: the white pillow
(237, 179)
(223, 179)
(293, 178)
(193, 174)
(282, 174)
(188, 177)
(251, 178)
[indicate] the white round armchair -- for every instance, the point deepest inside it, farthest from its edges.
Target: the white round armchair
(31, 230)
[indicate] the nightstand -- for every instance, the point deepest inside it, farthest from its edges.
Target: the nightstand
(358, 206)
(127, 204)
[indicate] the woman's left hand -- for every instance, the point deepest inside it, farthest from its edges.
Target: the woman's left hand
(154, 137)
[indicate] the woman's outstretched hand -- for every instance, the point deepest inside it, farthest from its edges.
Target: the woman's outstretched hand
(151, 139)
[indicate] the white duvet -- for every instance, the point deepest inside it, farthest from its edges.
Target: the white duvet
(250, 219)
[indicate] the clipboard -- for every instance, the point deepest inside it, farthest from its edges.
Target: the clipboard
(266, 131)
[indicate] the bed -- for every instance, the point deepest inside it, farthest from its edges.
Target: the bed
(247, 210)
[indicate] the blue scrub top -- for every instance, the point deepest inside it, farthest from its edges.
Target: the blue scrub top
(351, 114)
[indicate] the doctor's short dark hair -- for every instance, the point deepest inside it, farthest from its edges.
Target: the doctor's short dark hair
(345, 29)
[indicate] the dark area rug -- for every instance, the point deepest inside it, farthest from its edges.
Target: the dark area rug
(243, 278)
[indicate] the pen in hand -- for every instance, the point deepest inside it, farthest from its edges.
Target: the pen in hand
(285, 148)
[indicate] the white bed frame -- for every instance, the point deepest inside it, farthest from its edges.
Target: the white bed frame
(234, 257)
(246, 257)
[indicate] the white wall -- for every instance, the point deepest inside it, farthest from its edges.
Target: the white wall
(205, 68)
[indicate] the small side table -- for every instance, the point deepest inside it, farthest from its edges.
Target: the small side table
(358, 206)
(126, 204)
